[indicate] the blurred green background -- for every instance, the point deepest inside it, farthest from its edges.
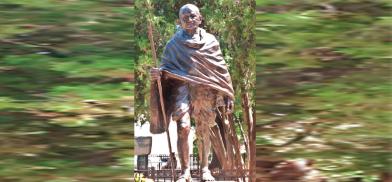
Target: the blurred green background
(323, 85)
(65, 90)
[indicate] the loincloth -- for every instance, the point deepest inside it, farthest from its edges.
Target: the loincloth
(199, 101)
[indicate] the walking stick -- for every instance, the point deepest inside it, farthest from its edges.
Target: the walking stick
(151, 38)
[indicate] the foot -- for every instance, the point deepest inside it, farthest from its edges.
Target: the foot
(206, 176)
(185, 177)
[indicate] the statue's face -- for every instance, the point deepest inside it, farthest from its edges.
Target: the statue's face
(190, 19)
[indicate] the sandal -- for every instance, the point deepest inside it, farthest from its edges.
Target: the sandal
(184, 178)
(207, 176)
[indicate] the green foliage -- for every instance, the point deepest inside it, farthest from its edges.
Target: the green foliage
(322, 73)
(66, 95)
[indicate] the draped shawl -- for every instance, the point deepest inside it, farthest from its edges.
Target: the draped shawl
(194, 59)
(197, 59)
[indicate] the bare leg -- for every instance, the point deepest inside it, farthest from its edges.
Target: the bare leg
(206, 174)
(183, 129)
(203, 103)
(204, 146)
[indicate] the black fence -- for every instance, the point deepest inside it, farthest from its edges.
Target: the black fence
(158, 168)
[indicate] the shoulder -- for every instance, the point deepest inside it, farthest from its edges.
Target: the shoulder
(210, 38)
(171, 44)
(206, 34)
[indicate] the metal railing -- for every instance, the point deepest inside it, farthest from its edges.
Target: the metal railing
(158, 169)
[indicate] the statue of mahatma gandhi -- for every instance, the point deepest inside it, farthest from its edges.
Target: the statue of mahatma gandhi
(195, 82)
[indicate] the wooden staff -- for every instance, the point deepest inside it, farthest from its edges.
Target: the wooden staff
(154, 56)
(249, 118)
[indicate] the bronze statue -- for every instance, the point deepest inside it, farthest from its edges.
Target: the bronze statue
(195, 82)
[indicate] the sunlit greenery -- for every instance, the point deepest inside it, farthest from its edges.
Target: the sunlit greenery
(323, 74)
(66, 90)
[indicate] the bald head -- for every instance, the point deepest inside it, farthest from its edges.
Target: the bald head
(190, 18)
(188, 8)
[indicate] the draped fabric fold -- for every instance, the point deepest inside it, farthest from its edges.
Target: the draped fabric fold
(194, 59)
(197, 59)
